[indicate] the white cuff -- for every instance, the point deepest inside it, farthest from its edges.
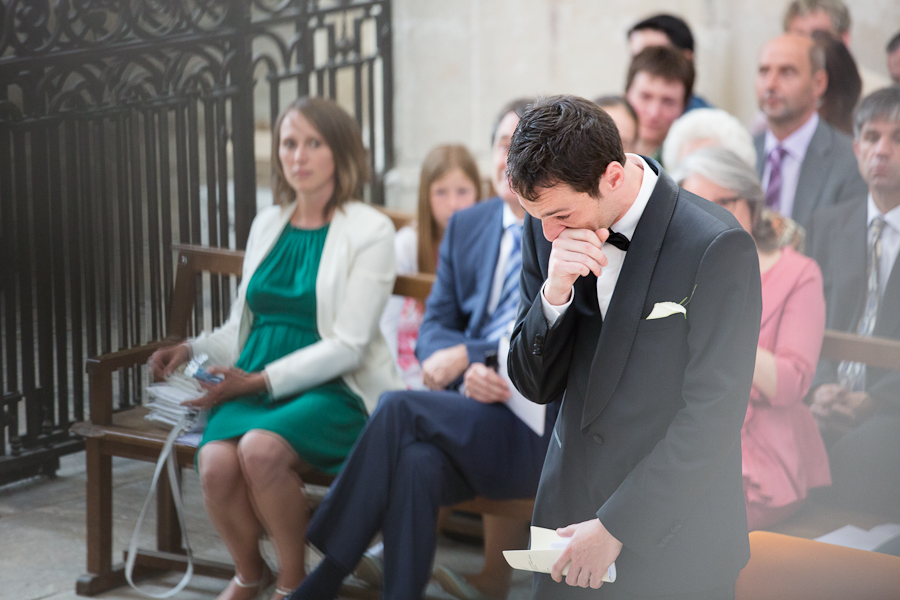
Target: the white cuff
(268, 384)
(553, 313)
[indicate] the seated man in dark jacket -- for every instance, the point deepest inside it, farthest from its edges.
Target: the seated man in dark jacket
(856, 244)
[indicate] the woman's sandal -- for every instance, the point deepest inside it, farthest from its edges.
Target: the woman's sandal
(283, 592)
(264, 581)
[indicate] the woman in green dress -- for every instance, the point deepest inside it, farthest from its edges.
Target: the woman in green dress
(301, 356)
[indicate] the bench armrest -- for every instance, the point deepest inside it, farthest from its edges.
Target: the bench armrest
(100, 370)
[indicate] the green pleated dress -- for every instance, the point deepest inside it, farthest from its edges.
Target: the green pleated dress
(321, 423)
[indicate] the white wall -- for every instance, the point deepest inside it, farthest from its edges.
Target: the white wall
(457, 62)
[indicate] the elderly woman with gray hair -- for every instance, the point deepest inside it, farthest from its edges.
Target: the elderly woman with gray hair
(783, 453)
(705, 127)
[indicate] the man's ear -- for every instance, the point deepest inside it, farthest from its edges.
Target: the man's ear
(613, 177)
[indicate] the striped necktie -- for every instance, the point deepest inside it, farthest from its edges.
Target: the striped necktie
(508, 304)
(852, 375)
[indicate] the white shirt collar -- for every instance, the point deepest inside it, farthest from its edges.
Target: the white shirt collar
(797, 142)
(892, 218)
(628, 223)
(509, 217)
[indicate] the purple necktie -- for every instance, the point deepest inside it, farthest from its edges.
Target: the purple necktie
(773, 191)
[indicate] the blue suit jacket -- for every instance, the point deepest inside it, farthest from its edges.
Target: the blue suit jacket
(456, 309)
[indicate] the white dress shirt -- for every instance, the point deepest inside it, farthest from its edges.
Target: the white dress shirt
(506, 243)
(606, 283)
(795, 146)
(890, 241)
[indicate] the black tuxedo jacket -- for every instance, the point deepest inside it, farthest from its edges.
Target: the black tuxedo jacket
(648, 435)
(838, 242)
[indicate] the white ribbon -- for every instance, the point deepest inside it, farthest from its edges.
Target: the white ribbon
(166, 457)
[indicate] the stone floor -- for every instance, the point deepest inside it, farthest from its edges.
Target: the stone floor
(42, 536)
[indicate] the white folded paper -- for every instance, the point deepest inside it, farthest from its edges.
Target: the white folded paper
(546, 546)
(533, 415)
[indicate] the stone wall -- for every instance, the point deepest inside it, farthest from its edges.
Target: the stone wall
(456, 63)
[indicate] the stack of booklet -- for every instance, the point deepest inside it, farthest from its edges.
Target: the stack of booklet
(165, 398)
(164, 403)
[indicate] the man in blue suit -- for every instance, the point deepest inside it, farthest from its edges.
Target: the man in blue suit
(424, 450)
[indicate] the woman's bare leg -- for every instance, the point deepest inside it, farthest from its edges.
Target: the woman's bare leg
(270, 467)
(228, 504)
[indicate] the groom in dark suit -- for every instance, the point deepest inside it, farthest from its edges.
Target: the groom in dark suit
(649, 335)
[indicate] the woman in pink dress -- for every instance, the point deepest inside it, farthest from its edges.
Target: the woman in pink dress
(783, 453)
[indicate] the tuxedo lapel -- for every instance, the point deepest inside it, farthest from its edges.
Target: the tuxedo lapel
(628, 299)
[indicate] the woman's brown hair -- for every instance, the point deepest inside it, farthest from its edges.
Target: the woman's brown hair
(341, 132)
(440, 161)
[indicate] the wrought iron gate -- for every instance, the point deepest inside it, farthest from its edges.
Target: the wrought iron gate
(127, 126)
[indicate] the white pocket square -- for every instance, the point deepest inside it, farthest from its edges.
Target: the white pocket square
(664, 309)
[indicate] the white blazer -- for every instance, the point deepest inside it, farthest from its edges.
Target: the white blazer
(354, 281)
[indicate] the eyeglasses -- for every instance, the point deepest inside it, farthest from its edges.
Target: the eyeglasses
(727, 202)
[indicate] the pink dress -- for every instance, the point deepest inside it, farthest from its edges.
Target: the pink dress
(783, 453)
(402, 317)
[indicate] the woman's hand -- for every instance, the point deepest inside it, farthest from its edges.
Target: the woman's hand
(235, 383)
(165, 360)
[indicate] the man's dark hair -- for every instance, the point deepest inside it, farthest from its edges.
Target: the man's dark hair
(665, 62)
(517, 106)
(883, 104)
(893, 44)
(675, 28)
(562, 140)
(605, 102)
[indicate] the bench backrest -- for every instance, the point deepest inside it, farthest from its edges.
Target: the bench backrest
(195, 260)
(875, 352)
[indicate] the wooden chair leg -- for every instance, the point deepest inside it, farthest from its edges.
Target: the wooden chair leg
(101, 575)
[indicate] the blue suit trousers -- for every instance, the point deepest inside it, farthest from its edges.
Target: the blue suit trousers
(421, 451)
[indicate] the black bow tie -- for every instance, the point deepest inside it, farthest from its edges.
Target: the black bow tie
(618, 240)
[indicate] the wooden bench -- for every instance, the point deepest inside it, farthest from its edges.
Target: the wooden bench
(813, 519)
(789, 568)
(786, 564)
(127, 434)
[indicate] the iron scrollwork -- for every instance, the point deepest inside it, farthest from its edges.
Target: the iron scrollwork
(127, 126)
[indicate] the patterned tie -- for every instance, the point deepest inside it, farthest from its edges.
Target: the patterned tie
(506, 309)
(773, 191)
(852, 375)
